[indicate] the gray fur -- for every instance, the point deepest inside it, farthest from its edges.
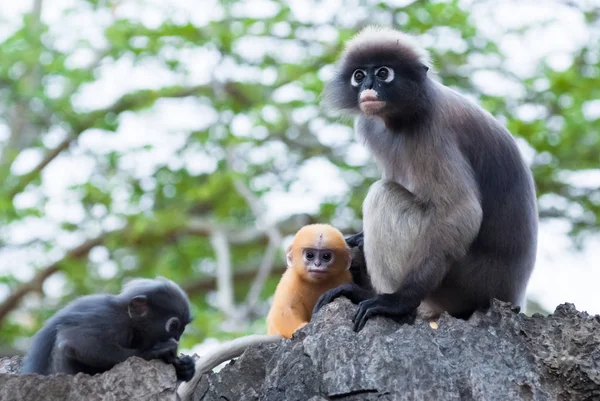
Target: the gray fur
(453, 221)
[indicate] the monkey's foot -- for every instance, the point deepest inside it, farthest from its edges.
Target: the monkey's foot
(351, 291)
(185, 367)
(356, 240)
(383, 305)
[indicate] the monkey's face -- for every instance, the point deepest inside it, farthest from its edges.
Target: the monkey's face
(319, 263)
(158, 318)
(373, 85)
(378, 83)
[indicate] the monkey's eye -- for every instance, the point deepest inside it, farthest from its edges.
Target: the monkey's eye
(327, 256)
(385, 74)
(310, 255)
(357, 77)
(172, 325)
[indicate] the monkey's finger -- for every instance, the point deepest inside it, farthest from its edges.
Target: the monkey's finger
(329, 297)
(365, 310)
(323, 300)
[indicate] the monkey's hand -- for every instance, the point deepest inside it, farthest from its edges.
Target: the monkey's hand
(385, 305)
(167, 351)
(185, 367)
(356, 240)
(351, 291)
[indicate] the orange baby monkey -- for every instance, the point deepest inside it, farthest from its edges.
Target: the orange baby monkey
(318, 260)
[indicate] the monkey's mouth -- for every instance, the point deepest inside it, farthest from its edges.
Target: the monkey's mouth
(371, 107)
(317, 272)
(369, 103)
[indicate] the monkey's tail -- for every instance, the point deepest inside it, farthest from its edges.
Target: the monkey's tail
(220, 354)
(39, 354)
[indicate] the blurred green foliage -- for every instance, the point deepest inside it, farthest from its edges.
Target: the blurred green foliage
(155, 222)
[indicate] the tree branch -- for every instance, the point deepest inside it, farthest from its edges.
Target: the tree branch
(131, 101)
(27, 178)
(225, 300)
(272, 232)
(37, 282)
(210, 283)
(196, 227)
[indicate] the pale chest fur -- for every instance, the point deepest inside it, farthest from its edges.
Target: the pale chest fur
(398, 157)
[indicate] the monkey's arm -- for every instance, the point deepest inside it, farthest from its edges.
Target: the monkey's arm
(354, 292)
(286, 319)
(442, 231)
(356, 240)
(220, 354)
(357, 291)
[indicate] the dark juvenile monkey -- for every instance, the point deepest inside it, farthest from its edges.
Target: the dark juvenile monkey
(452, 222)
(95, 332)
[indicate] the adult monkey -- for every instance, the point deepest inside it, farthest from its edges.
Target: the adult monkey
(453, 221)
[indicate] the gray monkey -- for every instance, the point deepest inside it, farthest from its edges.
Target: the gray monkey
(453, 221)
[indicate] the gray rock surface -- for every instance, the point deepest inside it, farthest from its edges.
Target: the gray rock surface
(10, 365)
(134, 379)
(497, 355)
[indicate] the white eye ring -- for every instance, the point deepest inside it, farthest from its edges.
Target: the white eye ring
(353, 81)
(170, 322)
(390, 75)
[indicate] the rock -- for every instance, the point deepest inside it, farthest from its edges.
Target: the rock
(134, 379)
(497, 355)
(11, 365)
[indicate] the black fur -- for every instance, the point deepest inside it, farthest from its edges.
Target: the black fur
(94, 333)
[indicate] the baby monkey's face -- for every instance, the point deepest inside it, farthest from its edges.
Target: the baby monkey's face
(318, 262)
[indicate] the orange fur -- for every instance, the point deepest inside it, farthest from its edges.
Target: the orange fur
(298, 291)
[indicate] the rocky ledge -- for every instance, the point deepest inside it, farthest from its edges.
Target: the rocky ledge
(495, 355)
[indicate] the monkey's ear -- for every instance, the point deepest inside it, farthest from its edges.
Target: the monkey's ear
(138, 306)
(288, 256)
(425, 67)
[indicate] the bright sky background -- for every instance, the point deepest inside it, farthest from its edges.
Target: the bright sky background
(560, 275)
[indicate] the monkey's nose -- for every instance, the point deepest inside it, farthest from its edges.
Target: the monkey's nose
(368, 95)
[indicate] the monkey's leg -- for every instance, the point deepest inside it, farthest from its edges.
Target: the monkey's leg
(90, 349)
(409, 245)
(98, 350)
